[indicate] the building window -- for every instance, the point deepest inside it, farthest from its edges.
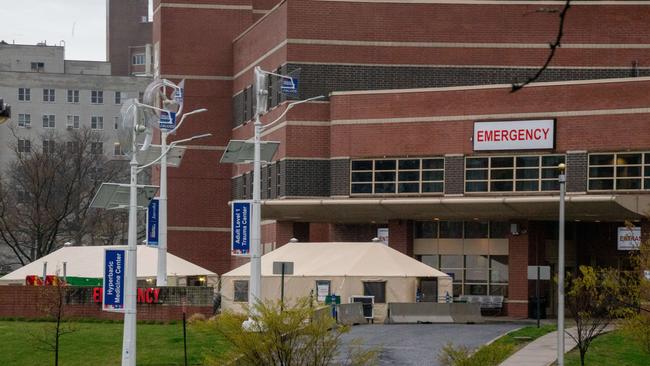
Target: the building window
(72, 122)
(241, 291)
(72, 146)
(117, 149)
(97, 122)
(48, 95)
(512, 173)
(116, 122)
(73, 96)
(138, 59)
(140, 96)
(397, 176)
(97, 97)
(24, 146)
(478, 274)
(376, 289)
(38, 66)
(619, 171)
(24, 94)
(473, 274)
(24, 120)
(118, 97)
(97, 147)
(48, 146)
(49, 121)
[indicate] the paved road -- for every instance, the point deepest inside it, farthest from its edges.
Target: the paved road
(419, 344)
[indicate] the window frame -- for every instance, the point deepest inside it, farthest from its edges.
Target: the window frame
(117, 98)
(96, 97)
(24, 94)
(49, 121)
(24, 120)
(643, 177)
(97, 123)
(513, 171)
(72, 96)
(241, 296)
(24, 146)
(49, 95)
(398, 172)
(137, 57)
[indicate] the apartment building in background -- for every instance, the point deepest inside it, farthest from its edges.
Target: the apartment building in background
(50, 94)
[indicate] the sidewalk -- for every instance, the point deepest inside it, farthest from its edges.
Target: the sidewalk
(541, 352)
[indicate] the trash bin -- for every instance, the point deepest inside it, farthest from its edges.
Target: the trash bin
(532, 307)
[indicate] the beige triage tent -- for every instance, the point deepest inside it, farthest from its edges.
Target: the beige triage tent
(87, 262)
(347, 266)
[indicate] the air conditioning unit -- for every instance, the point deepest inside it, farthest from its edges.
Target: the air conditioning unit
(28, 126)
(144, 19)
(69, 127)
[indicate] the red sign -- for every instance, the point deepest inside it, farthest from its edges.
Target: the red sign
(145, 295)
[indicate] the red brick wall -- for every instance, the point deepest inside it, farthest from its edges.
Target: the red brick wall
(400, 236)
(30, 302)
(518, 248)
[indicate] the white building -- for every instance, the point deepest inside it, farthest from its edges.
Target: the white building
(48, 93)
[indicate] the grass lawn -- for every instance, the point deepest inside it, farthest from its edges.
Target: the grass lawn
(101, 344)
(610, 349)
(497, 351)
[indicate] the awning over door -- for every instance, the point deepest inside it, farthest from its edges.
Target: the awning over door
(351, 210)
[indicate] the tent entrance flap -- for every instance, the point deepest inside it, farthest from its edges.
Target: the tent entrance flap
(428, 290)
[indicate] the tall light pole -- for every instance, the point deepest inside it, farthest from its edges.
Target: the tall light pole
(129, 336)
(560, 274)
(260, 92)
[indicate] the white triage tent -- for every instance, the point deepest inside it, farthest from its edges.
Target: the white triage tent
(341, 269)
(87, 262)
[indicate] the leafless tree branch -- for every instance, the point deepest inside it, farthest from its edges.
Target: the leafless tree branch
(553, 46)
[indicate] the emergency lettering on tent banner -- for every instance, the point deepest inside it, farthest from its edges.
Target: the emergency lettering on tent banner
(152, 222)
(241, 228)
(514, 135)
(113, 287)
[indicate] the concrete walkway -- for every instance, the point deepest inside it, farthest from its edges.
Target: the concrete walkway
(542, 351)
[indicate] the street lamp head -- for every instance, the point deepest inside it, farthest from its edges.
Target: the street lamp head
(561, 167)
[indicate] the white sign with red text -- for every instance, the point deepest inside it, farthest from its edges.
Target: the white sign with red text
(629, 238)
(514, 135)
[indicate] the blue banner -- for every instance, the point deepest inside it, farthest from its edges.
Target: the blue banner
(289, 86)
(113, 287)
(241, 228)
(152, 222)
(167, 120)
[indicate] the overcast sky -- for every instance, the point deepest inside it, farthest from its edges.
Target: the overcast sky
(81, 24)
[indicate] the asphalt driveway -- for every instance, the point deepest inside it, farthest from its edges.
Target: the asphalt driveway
(419, 344)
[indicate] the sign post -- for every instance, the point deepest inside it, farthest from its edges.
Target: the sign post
(113, 287)
(240, 239)
(282, 268)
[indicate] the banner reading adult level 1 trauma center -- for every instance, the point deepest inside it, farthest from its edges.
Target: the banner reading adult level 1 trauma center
(113, 288)
(241, 228)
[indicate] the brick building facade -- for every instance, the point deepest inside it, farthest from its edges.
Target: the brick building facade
(391, 145)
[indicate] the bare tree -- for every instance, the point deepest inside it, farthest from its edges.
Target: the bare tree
(54, 303)
(46, 192)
